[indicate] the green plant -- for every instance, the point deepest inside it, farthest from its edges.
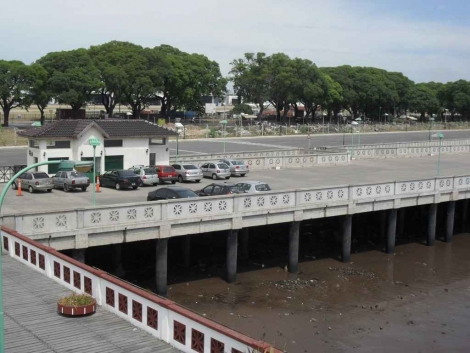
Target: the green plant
(76, 300)
(212, 133)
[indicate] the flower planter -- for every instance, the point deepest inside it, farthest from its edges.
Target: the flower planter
(76, 310)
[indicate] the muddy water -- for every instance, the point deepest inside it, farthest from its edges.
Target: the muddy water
(334, 307)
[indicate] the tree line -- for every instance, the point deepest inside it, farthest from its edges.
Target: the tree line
(129, 74)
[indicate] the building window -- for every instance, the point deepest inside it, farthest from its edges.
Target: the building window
(112, 143)
(158, 141)
(33, 144)
(58, 144)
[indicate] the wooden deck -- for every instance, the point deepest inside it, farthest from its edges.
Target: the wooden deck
(32, 324)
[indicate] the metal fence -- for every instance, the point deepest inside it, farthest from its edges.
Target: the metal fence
(7, 172)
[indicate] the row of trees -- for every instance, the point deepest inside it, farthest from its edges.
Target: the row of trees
(121, 72)
(128, 74)
(363, 91)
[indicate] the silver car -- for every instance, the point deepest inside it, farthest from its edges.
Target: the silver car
(253, 186)
(34, 181)
(216, 170)
(187, 172)
(237, 167)
(71, 180)
(147, 175)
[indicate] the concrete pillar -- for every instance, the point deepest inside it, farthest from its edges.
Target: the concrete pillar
(383, 224)
(450, 221)
(391, 231)
(431, 228)
(232, 244)
(119, 269)
(186, 250)
(161, 266)
(401, 222)
(293, 262)
(79, 255)
(244, 239)
(463, 227)
(346, 239)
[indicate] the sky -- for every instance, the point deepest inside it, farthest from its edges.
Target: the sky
(427, 40)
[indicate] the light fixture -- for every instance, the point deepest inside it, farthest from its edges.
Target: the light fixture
(166, 149)
(147, 151)
(101, 153)
(44, 154)
(30, 153)
(81, 153)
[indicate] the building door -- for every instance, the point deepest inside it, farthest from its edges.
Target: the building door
(152, 158)
(113, 163)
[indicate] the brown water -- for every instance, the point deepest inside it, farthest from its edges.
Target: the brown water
(413, 301)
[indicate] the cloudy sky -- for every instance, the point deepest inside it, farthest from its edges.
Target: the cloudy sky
(427, 40)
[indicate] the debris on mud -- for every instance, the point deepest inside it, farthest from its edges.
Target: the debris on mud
(350, 271)
(294, 284)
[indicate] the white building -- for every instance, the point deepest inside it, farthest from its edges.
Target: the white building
(123, 143)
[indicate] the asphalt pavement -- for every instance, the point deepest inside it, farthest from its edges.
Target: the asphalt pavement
(358, 172)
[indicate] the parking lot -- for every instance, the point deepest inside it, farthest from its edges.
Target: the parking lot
(360, 172)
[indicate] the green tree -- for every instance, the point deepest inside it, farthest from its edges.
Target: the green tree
(72, 77)
(422, 99)
(39, 91)
(455, 96)
(15, 80)
(242, 108)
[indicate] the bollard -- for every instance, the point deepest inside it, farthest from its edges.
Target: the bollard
(98, 184)
(19, 188)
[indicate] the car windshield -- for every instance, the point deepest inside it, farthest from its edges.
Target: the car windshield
(186, 193)
(222, 166)
(150, 171)
(127, 173)
(77, 174)
(168, 169)
(40, 176)
(189, 166)
(262, 187)
(237, 162)
(235, 189)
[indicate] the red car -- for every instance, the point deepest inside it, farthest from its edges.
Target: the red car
(166, 173)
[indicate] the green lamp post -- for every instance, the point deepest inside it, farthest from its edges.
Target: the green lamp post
(224, 123)
(63, 165)
(93, 141)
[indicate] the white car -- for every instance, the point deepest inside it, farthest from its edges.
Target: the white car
(216, 170)
(148, 175)
(253, 186)
(237, 167)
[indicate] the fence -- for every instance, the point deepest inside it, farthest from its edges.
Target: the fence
(160, 317)
(8, 172)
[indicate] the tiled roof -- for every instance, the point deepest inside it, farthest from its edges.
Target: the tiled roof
(113, 128)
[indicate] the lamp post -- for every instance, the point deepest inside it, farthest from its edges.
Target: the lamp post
(178, 126)
(380, 110)
(440, 135)
(224, 123)
(93, 141)
(67, 165)
(431, 121)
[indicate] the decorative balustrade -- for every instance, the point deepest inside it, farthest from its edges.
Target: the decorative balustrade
(158, 316)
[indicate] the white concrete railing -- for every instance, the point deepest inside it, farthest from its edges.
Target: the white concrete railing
(109, 224)
(162, 318)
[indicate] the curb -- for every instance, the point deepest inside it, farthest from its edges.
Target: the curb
(11, 147)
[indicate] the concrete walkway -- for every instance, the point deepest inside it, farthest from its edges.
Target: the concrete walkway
(32, 324)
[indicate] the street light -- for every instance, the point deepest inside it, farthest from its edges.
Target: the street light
(93, 141)
(224, 123)
(440, 135)
(178, 126)
(63, 165)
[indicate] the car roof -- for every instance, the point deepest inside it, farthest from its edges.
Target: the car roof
(222, 184)
(252, 182)
(176, 188)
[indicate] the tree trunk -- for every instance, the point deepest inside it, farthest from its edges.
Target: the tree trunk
(6, 116)
(43, 117)
(76, 111)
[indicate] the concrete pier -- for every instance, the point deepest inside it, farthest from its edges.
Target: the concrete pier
(450, 221)
(346, 239)
(391, 231)
(161, 266)
(431, 224)
(293, 263)
(232, 245)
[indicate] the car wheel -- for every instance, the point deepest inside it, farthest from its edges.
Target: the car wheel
(160, 182)
(198, 181)
(14, 186)
(180, 178)
(49, 190)
(214, 176)
(242, 175)
(117, 186)
(173, 181)
(83, 189)
(135, 187)
(227, 178)
(30, 189)
(66, 188)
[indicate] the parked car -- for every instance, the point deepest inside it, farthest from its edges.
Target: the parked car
(170, 192)
(120, 179)
(187, 172)
(147, 175)
(219, 189)
(237, 167)
(216, 170)
(71, 180)
(253, 186)
(166, 173)
(34, 181)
